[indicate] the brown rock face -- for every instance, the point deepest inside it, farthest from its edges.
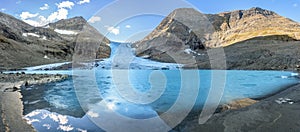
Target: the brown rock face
(242, 25)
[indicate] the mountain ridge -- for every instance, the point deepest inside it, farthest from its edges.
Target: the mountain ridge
(55, 42)
(186, 35)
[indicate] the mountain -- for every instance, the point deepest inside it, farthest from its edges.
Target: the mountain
(240, 25)
(23, 45)
(185, 36)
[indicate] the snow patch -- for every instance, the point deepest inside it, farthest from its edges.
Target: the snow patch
(44, 38)
(189, 51)
(30, 34)
(66, 32)
(47, 66)
(46, 57)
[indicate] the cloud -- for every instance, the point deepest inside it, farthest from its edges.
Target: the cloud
(65, 4)
(65, 128)
(26, 15)
(295, 5)
(81, 130)
(34, 23)
(83, 1)
(61, 13)
(94, 19)
(45, 7)
(3, 9)
(92, 114)
(128, 26)
(19, 2)
(114, 30)
(39, 20)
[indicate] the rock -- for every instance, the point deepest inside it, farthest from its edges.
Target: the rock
(238, 104)
(26, 84)
(284, 100)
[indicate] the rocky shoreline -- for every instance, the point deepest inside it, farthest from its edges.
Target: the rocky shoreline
(278, 112)
(11, 106)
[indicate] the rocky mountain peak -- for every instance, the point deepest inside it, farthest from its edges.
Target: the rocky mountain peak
(195, 32)
(258, 10)
(8, 21)
(255, 11)
(75, 23)
(183, 12)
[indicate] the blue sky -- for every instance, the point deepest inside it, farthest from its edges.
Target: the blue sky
(130, 20)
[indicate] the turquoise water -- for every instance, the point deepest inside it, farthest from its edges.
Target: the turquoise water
(94, 99)
(62, 98)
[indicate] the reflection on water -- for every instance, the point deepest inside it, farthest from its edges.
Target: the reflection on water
(56, 97)
(44, 120)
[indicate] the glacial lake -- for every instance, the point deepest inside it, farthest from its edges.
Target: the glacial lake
(105, 98)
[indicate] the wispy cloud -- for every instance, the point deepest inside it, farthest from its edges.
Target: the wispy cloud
(94, 19)
(113, 30)
(83, 1)
(128, 26)
(19, 2)
(295, 5)
(44, 7)
(3, 9)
